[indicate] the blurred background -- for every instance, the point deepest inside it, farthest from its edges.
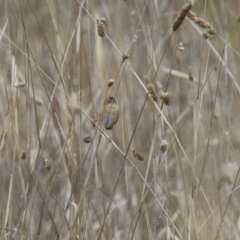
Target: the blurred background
(171, 170)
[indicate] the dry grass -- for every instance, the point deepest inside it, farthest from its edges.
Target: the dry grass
(171, 171)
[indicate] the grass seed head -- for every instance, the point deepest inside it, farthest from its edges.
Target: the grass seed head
(146, 79)
(205, 35)
(137, 155)
(101, 27)
(192, 15)
(181, 16)
(152, 91)
(103, 20)
(212, 31)
(165, 97)
(202, 23)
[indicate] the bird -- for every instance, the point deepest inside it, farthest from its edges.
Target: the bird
(110, 113)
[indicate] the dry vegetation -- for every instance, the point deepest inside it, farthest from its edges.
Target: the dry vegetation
(171, 170)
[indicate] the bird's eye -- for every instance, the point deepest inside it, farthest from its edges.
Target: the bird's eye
(111, 100)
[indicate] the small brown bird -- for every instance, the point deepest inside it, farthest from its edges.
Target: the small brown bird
(110, 113)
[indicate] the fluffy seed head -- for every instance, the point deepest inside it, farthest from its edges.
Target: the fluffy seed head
(101, 26)
(151, 89)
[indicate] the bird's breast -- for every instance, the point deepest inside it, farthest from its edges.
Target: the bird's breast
(110, 116)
